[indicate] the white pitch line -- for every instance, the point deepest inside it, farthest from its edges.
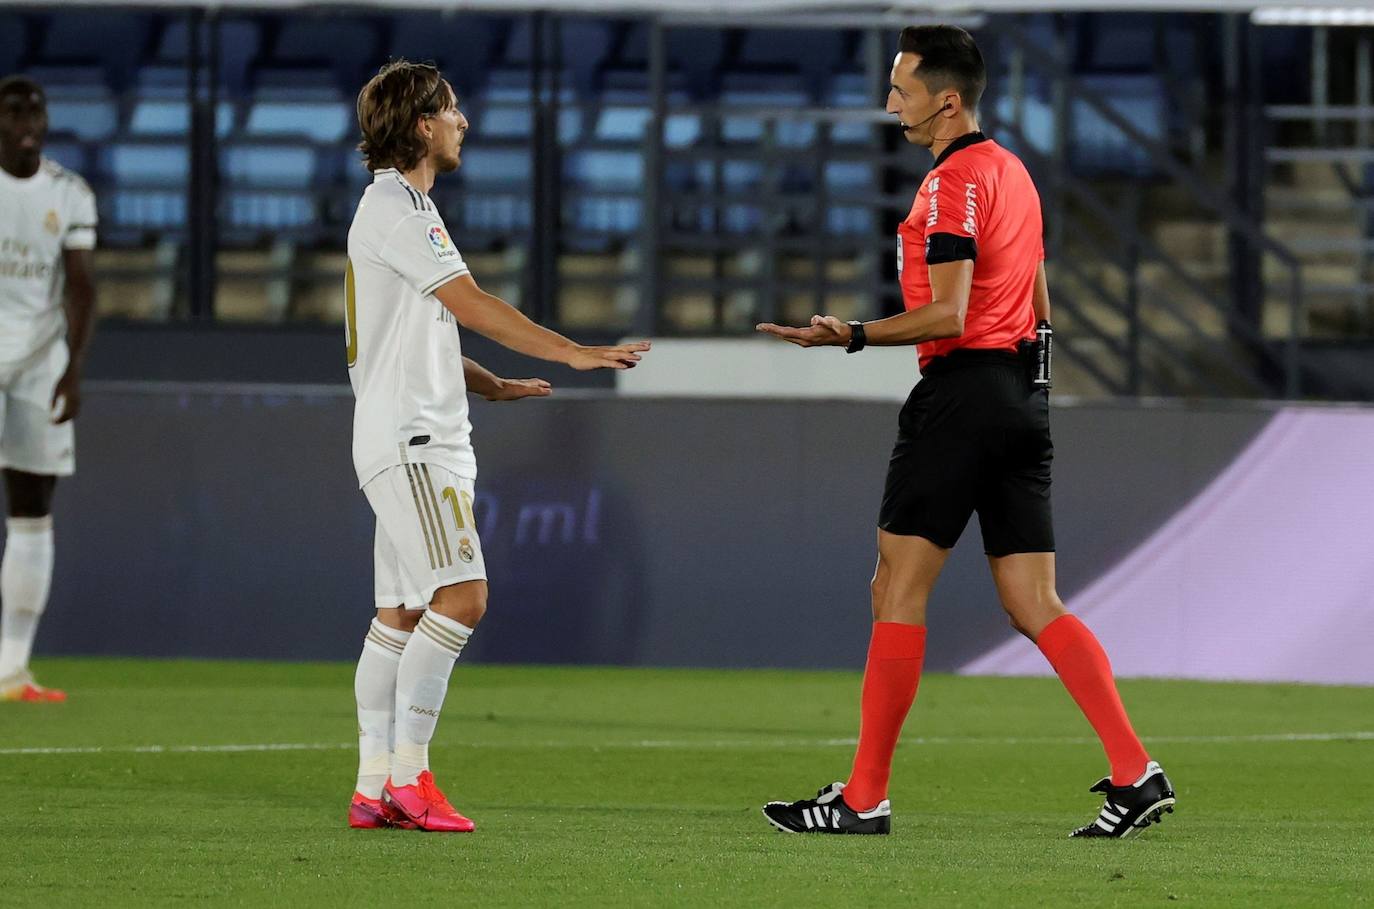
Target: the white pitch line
(743, 744)
(180, 749)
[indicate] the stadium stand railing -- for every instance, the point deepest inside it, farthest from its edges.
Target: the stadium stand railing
(689, 178)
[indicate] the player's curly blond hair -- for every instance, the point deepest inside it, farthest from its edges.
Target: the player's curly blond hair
(389, 106)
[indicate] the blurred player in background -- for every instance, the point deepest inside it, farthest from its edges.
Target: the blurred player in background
(47, 305)
(973, 436)
(407, 291)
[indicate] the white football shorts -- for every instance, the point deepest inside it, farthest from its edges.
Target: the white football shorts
(29, 440)
(426, 535)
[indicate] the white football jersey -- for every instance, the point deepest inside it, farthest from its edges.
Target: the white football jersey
(404, 356)
(39, 217)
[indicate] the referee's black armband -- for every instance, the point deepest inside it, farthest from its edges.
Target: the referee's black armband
(950, 248)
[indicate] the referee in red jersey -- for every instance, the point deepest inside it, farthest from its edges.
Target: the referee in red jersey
(973, 436)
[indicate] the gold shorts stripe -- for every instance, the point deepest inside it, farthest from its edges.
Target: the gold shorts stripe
(438, 515)
(441, 635)
(424, 527)
(431, 517)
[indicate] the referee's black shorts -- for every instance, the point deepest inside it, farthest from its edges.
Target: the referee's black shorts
(973, 436)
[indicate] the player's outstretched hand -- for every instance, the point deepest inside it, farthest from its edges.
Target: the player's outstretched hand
(824, 331)
(515, 389)
(621, 356)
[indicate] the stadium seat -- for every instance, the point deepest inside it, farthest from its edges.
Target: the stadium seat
(268, 187)
(499, 177)
(240, 43)
(741, 176)
(500, 213)
(695, 52)
(348, 46)
(849, 176)
(263, 165)
(71, 155)
(1098, 146)
(850, 221)
(851, 91)
(514, 86)
(633, 85)
(320, 121)
(166, 80)
(460, 43)
(622, 123)
(494, 166)
(1116, 43)
(255, 211)
(145, 164)
(306, 83)
(1036, 124)
(769, 94)
(90, 119)
(584, 47)
(811, 52)
(604, 170)
(115, 40)
(70, 80)
(149, 182)
(627, 123)
(602, 215)
(162, 117)
(142, 210)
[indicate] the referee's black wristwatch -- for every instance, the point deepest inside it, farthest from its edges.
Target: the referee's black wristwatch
(857, 338)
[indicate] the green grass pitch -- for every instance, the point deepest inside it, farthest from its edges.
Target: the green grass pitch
(610, 787)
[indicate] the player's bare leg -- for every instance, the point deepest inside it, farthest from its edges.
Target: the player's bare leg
(25, 580)
(421, 685)
(1137, 792)
(908, 567)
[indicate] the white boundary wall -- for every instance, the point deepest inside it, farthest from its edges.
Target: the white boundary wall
(766, 368)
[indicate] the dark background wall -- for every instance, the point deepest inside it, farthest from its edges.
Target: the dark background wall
(224, 521)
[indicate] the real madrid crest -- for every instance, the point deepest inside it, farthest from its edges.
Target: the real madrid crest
(52, 224)
(465, 551)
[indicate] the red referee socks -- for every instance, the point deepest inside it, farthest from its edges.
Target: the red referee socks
(895, 654)
(1082, 664)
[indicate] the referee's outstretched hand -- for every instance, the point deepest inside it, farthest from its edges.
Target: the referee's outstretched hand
(824, 331)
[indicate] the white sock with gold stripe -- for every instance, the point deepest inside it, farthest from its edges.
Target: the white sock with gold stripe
(421, 683)
(374, 686)
(25, 577)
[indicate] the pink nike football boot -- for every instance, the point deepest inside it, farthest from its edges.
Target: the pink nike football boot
(371, 814)
(22, 687)
(424, 806)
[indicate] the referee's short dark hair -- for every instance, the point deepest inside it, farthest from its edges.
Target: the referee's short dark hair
(949, 58)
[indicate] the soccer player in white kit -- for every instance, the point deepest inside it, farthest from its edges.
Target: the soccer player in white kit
(47, 232)
(406, 292)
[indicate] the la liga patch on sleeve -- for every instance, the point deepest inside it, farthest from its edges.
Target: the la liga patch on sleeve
(441, 244)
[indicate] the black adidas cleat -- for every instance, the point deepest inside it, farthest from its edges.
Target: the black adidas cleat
(827, 813)
(1130, 809)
